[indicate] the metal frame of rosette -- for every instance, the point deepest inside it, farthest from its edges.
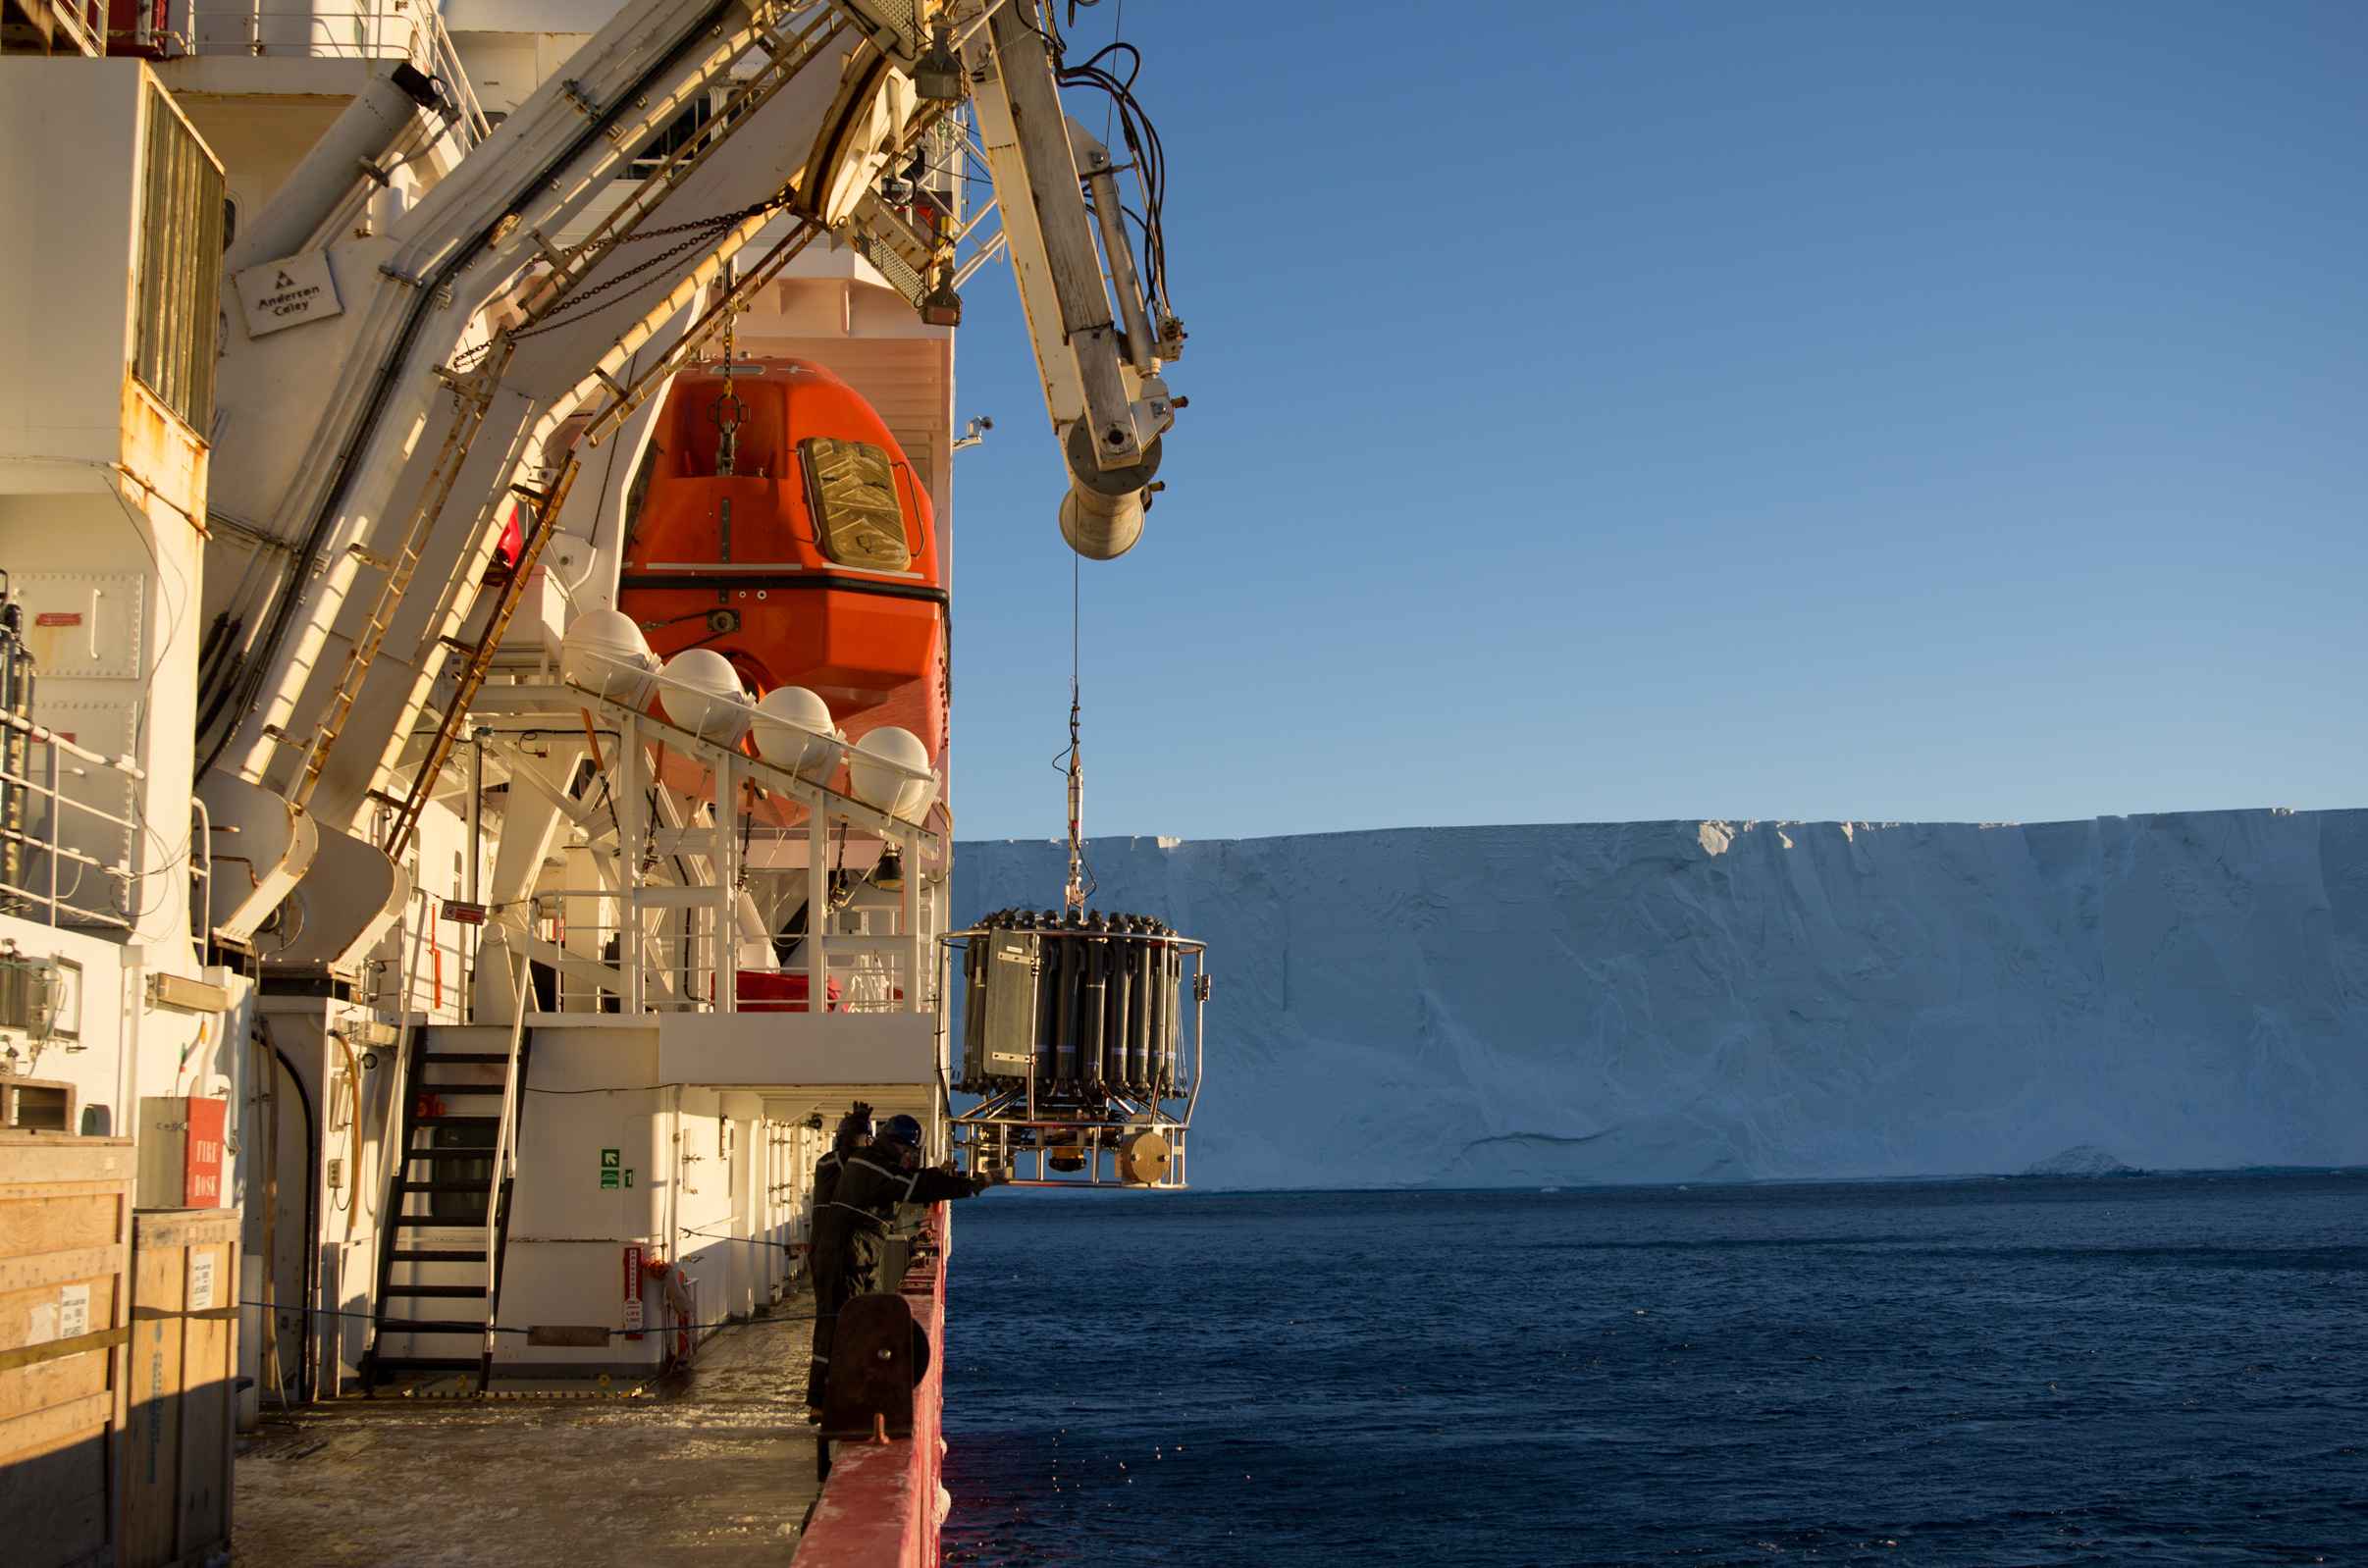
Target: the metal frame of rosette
(1045, 1117)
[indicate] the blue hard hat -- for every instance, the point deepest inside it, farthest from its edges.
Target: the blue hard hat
(901, 1130)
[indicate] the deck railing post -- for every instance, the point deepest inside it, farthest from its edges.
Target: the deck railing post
(631, 937)
(818, 906)
(726, 860)
(909, 913)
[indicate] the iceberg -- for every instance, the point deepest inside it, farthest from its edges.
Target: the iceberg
(1704, 1001)
(2085, 1161)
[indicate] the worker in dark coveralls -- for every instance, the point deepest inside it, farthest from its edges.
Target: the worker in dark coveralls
(824, 1252)
(852, 1133)
(855, 1223)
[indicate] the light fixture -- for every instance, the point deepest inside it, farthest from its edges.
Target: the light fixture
(889, 875)
(937, 73)
(941, 306)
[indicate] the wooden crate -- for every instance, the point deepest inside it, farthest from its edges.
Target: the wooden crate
(182, 1367)
(65, 1214)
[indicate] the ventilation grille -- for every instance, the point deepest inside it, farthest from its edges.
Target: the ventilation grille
(893, 267)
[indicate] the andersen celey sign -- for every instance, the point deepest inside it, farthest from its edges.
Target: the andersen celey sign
(288, 293)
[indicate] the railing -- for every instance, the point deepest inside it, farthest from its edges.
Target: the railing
(668, 928)
(504, 1177)
(42, 844)
(400, 29)
(668, 956)
(81, 26)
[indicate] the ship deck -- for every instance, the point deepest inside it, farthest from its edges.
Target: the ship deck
(713, 1465)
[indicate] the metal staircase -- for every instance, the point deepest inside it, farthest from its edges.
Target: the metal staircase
(448, 1208)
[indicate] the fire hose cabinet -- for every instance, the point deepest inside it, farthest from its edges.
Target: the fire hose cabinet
(182, 1365)
(181, 1152)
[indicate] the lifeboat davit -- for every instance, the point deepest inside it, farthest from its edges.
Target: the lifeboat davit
(813, 561)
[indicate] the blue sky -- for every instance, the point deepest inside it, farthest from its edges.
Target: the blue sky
(1614, 412)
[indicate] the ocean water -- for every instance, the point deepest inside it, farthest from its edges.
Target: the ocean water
(2117, 1371)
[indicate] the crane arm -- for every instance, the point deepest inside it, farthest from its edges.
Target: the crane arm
(385, 587)
(365, 614)
(1099, 366)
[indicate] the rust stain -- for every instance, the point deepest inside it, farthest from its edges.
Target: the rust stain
(163, 457)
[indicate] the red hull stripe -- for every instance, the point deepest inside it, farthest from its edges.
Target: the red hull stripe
(879, 1507)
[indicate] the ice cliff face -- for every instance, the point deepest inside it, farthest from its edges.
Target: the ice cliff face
(1722, 1001)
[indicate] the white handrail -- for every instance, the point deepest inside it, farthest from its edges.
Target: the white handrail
(46, 838)
(456, 78)
(406, 29)
(48, 737)
(504, 1157)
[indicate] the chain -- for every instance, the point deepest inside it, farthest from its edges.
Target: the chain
(705, 228)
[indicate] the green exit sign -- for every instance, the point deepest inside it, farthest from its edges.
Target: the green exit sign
(613, 1163)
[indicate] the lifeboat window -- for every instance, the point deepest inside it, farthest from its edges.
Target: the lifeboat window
(851, 489)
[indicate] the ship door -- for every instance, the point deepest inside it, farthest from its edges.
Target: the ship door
(286, 1190)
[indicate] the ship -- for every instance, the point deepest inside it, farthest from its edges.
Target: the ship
(476, 562)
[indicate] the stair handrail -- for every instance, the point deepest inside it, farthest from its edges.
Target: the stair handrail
(447, 68)
(504, 1158)
(401, 1108)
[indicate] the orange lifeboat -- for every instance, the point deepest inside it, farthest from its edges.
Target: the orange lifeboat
(809, 558)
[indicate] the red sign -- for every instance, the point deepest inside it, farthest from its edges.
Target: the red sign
(461, 914)
(633, 1293)
(59, 617)
(201, 1176)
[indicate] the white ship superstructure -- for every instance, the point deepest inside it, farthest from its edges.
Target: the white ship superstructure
(521, 953)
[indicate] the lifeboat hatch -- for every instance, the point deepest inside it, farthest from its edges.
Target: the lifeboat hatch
(851, 489)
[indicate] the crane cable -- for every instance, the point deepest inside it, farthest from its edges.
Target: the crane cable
(1081, 881)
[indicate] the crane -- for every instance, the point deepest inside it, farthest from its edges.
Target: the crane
(365, 474)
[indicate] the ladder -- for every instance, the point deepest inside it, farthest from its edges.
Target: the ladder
(447, 1223)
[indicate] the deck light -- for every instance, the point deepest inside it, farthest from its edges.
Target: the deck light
(937, 75)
